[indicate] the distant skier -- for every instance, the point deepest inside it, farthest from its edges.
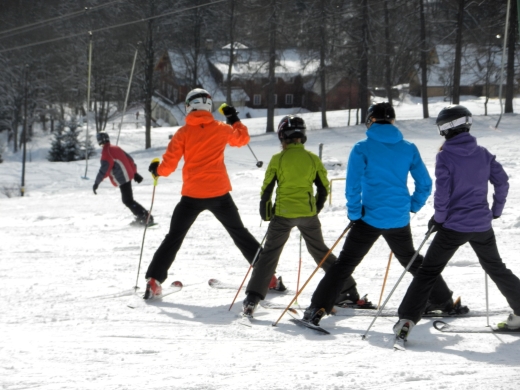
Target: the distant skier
(379, 203)
(463, 170)
(121, 169)
(295, 172)
(206, 185)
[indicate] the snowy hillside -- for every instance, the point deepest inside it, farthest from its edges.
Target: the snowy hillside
(69, 260)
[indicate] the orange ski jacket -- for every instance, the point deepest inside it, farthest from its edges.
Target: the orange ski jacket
(202, 142)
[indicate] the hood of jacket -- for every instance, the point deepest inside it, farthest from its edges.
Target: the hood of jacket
(196, 118)
(386, 133)
(463, 144)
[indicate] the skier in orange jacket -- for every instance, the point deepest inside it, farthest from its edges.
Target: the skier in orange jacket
(206, 184)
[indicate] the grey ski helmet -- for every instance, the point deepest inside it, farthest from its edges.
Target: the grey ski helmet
(102, 138)
(292, 126)
(381, 112)
(453, 120)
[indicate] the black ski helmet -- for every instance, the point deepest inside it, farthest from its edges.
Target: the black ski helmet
(102, 138)
(292, 127)
(381, 112)
(453, 120)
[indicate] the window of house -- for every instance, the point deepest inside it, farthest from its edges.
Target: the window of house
(303, 101)
(175, 95)
(289, 99)
(257, 100)
(275, 99)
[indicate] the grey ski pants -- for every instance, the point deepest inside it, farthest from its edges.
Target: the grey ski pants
(277, 235)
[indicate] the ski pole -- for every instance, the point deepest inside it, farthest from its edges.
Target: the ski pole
(249, 269)
(384, 280)
(314, 272)
(487, 300)
(155, 178)
(398, 281)
(299, 268)
(258, 163)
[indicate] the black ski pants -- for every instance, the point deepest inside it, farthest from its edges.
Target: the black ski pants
(443, 247)
(359, 240)
(277, 235)
(184, 215)
(127, 196)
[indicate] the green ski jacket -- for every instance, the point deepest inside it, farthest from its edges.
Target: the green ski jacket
(294, 170)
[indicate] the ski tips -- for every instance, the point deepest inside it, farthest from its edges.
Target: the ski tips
(177, 284)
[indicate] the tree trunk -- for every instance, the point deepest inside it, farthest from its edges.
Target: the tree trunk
(148, 78)
(323, 76)
(511, 43)
(272, 64)
(363, 61)
(424, 63)
(388, 54)
(231, 50)
(458, 54)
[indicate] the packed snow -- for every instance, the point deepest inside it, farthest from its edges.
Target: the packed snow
(70, 260)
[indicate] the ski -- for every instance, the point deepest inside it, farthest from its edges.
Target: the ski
(399, 344)
(245, 320)
(218, 284)
(362, 303)
(442, 326)
(138, 224)
(175, 287)
(308, 325)
(277, 306)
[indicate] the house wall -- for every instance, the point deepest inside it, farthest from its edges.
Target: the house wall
(282, 88)
(344, 95)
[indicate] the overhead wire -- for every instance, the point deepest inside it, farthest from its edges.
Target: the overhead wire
(32, 26)
(111, 27)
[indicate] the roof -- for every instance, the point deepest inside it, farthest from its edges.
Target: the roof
(478, 63)
(182, 66)
(249, 63)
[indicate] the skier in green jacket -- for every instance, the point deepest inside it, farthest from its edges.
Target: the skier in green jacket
(295, 171)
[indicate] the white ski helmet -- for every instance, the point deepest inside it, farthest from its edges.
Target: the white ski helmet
(198, 99)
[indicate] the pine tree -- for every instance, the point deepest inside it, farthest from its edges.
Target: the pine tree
(57, 151)
(71, 143)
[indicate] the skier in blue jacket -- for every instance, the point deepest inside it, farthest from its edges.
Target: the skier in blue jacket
(379, 204)
(463, 171)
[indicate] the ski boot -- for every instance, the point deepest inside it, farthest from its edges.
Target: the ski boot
(313, 315)
(512, 322)
(249, 304)
(402, 329)
(153, 289)
(277, 284)
(449, 307)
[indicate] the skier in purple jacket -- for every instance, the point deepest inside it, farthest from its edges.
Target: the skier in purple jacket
(462, 215)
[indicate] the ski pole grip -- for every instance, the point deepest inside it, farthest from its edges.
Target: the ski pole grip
(155, 178)
(221, 108)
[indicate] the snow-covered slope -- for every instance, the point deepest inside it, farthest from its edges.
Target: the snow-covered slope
(68, 262)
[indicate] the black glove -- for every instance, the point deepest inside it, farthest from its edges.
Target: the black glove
(153, 169)
(94, 188)
(138, 178)
(432, 223)
(230, 113)
(266, 210)
(496, 216)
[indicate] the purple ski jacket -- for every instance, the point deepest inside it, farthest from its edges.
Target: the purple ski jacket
(462, 172)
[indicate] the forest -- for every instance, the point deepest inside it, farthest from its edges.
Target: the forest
(76, 56)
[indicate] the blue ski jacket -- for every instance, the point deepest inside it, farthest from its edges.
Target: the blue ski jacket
(377, 179)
